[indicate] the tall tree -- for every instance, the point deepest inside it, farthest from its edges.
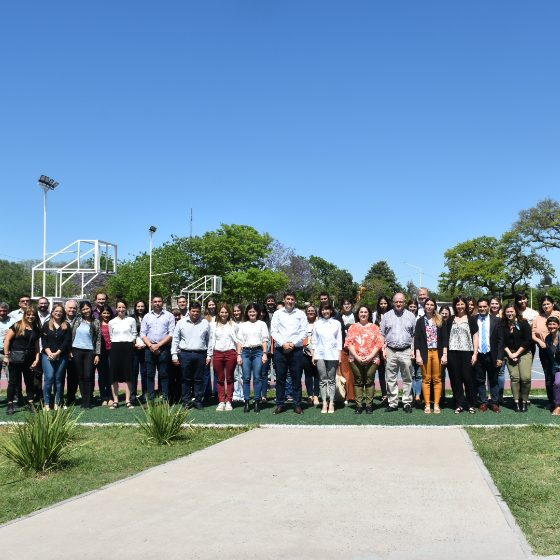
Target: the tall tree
(15, 280)
(381, 270)
(540, 225)
(328, 277)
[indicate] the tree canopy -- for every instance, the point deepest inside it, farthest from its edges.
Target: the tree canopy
(540, 225)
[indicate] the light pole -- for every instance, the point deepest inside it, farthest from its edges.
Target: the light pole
(152, 230)
(419, 269)
(47, 184)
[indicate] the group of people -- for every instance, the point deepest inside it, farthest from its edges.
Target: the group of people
(337, 352)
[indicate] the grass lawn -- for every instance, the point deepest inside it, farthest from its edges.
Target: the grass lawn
(101, 455)
(525, 466)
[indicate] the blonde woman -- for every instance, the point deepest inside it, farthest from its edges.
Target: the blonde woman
(430, 343)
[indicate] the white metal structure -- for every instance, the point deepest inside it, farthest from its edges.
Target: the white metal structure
(203, 288)
(47, 184)
(85, 259)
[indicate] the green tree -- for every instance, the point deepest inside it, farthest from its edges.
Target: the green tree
(540, 225)
(494, 264)
(15, 280)
(328, 277)
(253, 285)
(381, 270)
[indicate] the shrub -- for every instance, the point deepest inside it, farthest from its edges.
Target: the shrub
(163, 423)
(42, 442)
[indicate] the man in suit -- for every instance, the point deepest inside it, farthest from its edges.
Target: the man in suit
(490, 355)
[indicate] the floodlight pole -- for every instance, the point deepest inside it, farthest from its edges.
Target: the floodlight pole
(152, 230)
(419, 269)
(47, 184)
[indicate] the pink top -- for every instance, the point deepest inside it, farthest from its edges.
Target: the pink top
(364, 339)
(106, 335)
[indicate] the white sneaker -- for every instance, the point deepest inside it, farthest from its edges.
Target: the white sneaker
(56, 407)
(228, 408)
(46, 408)
(221, 407)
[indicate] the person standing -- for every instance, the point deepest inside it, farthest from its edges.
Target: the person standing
(397, 327)
(252, 344)
(139, 360)
(223, 349)
(5, 323)
(238, 374)
(21, 355)
(123, 333)
(309, 367)
(347, 319)
(104, 379)
(423, 295)
(553, 348)
(24, 302)
(517, 342)
(86, 349)
(430, 344)
(383, 305)
(71, 311)
(490, 356)
(365, 345)
(288, 329)
(189, 349)
(156, 331)
(462, 333)
(56, 343)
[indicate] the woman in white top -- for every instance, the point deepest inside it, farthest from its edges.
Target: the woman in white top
(223, 343)
(327, 345)
(309, 368)
(123, 332)
(251, 353)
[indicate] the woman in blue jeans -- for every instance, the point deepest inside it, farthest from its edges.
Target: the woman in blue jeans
(56, 338)
(252, 354)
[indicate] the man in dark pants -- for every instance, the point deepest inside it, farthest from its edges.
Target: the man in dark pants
(156, 332)
(71, 309)
(490, 355)
(288, 329)
(189, 349)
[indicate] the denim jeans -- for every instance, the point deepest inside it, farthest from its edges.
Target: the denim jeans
(288, 364)
(264, 378)
(161, 362)
(252, 364)
(311, 376)
(53, 373)
(210, 382)
(192, 376)
(139, 366)
(238, 384)
(416, 380)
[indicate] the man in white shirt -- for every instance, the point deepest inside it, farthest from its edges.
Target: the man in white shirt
(5, 323)
(288, 329)
(23, 303)
(423, 295)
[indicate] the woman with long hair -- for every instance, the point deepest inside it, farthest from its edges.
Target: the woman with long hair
(553, 348)
(210, 378)
(539, 333)
(56, 340)
(517, 342)
(445, 314)
(462, 333)
(327, 345)
(104, 367)
(222, 347)
(139, 358)
(264, 316)
(86, 349)
(123, 333)
(365, 344)
(21, 355)
(471, 305)
(312, 383)
(384, 304)
(347, 319)
(496, 311)
(252, 345)
(430, 344)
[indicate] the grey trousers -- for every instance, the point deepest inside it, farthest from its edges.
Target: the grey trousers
(327, 378)
(399, 359)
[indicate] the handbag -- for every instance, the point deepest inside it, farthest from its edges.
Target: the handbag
(17, 356)
(340, 389)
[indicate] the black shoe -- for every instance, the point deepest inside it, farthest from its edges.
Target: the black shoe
(247, 407)
(369, 409)
(408, 408)
(358, 410)
(298, 410)
(516, 407)
(257, 407)
(198, 406)
(391, 409)
(279, 409)
(11, 409)
(30, 407)
(524, 407)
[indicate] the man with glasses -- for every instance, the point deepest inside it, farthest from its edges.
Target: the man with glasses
(5, 323)
(397, 326)
(490, 355)
(23, 303)
(423, 295)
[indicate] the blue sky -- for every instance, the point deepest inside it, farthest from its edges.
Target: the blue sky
(356, 131)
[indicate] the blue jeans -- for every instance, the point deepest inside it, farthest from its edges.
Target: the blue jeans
(416, 380)
(288, 363)
(53, 372)
(161, 362)
(252, 364)
(139, 363)
(192, 376)
(238, 385)
(311, 377)
(264, 378)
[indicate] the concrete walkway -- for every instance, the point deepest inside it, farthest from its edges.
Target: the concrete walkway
(288, 493)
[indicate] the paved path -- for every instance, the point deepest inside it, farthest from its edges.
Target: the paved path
(288, 493)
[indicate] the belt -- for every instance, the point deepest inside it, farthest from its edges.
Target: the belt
(398, 349)
(194, 351)
(252, 347)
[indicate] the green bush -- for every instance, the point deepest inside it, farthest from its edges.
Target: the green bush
(163, 423)
(42, 442)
